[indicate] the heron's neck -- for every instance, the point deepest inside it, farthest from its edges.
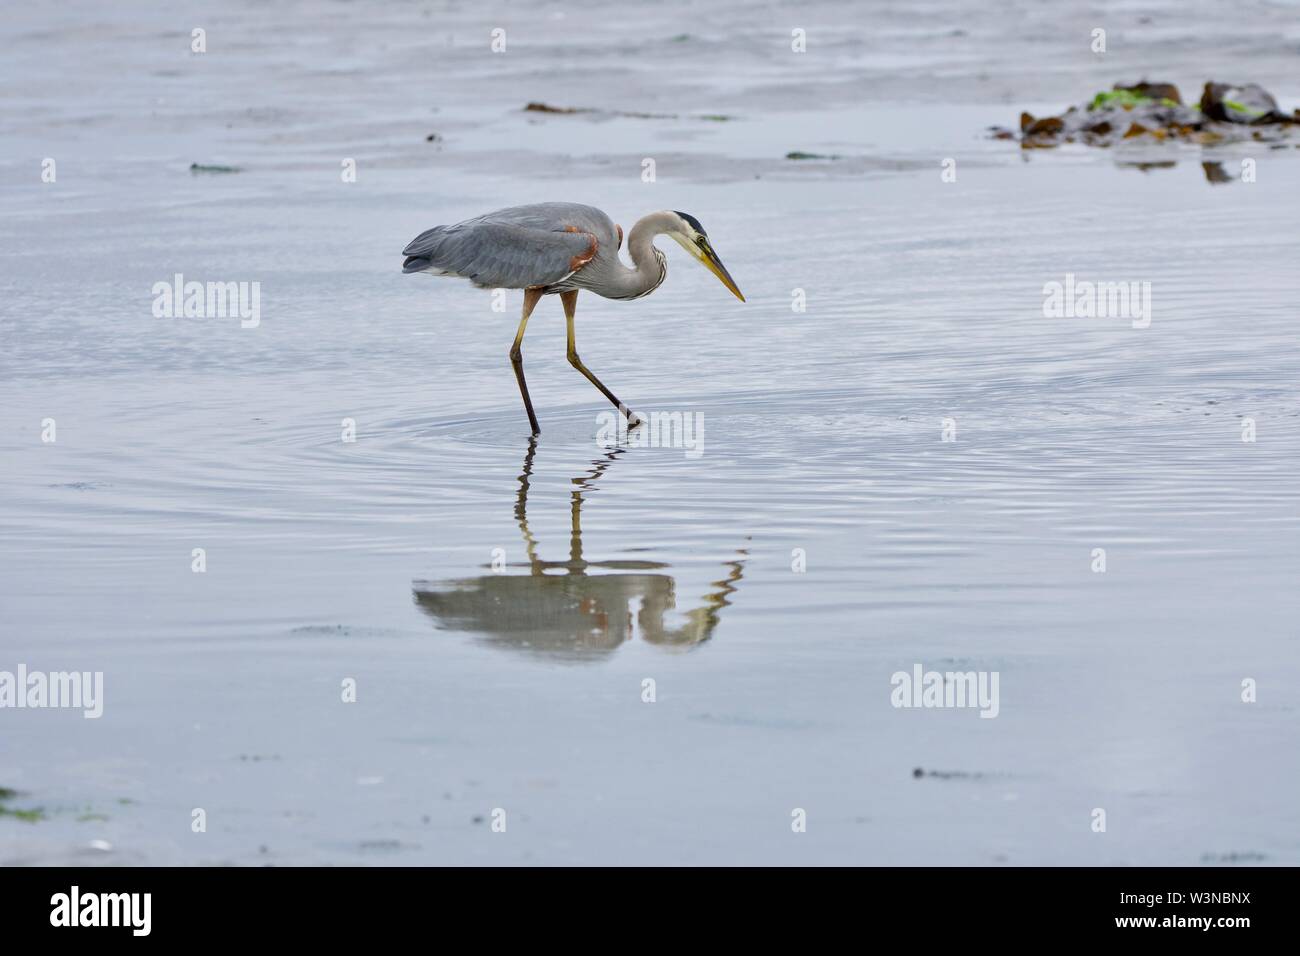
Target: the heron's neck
(648, 264)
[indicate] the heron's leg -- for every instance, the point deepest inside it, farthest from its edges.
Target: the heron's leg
(570, 300)
(531, 297)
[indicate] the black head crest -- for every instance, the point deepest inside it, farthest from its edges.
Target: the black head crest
(692, 222)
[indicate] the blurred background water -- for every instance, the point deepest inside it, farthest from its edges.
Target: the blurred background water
(522, 689)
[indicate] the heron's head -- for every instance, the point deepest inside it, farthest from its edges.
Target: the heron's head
(691, 236)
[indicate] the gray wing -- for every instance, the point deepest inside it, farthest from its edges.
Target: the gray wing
(514, 248)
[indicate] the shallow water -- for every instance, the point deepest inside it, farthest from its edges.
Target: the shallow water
(521, 689)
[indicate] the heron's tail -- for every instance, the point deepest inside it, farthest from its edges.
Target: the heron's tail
(421, 250)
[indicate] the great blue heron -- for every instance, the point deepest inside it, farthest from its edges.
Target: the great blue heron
(559, 247)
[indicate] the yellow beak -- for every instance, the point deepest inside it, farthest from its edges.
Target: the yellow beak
(714, 265)
(698, 246)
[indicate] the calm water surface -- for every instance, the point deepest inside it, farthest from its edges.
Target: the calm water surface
(521, 687)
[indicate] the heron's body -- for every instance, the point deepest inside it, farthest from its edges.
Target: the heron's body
(563, 248)
(554, 246)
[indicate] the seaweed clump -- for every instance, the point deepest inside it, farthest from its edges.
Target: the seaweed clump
(1226, 112)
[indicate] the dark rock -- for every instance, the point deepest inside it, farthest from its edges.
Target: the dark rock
(1239, 104)
(1047, 126)
(1153, 91)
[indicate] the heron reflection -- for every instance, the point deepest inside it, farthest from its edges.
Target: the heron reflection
(574, 607)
